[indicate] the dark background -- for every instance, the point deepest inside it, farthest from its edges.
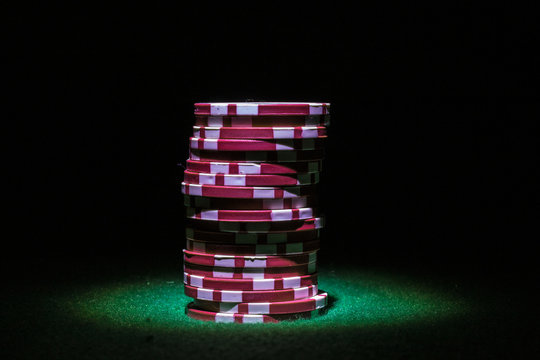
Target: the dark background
(430, 159)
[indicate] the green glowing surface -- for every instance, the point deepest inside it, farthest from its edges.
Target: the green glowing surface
(139, 314)
(358, 299)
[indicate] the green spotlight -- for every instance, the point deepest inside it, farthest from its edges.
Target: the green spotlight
(360, 299)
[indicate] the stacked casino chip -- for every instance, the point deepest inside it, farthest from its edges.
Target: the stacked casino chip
(253, 225)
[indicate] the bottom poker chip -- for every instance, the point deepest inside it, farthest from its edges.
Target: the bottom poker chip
(199, 314)
(316, 302)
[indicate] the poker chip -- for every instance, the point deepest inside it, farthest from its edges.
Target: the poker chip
(252, 218)
(258, 249)
(236, 296)
(247, 192)
(255, 145)
(249, 204)
(262, 108)
(253, 168)
(250, 180)
(284, 156)
(262, 121)
(292, 282)
(250, 215)
(298, 132)
(256, 226)
(195, 313)
(315, 302)
(257, 261)
(250, 273)
(277, 237)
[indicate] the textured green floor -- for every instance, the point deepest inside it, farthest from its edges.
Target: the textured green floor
(373, 313)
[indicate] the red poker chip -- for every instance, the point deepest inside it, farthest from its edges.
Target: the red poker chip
(284, 156)
(248, 192)
(250, 180)
(250, 273)
(238, 296)
(240, 261)
(262, 121)
(268, 133)
(196, 313)
(259, 249)
(256, 226)
(253, 168)
(246, 238)
(250, 215)
(203, 202)
(256, 145)
(315, 302)
(292, 282)
(262, 108)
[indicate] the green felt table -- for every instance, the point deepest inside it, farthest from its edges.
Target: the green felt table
(374, 312)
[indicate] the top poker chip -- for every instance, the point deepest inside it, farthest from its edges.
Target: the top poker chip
(262, 108)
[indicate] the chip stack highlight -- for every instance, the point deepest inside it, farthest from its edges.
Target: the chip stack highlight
(253, 225)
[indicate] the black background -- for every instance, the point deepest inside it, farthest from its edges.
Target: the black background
(430, 158)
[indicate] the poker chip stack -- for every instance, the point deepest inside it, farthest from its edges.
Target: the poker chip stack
(252, 228)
